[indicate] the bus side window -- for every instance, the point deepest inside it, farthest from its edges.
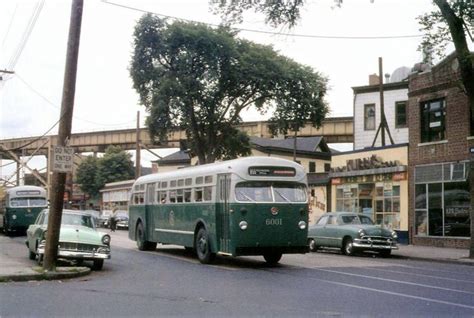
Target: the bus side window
(187, 195)
(173, 196)
(207, 193)
(198, 195)
(179, 195)
(163, 197)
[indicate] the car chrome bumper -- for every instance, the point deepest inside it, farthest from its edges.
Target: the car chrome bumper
(375, 244)
(77, 254)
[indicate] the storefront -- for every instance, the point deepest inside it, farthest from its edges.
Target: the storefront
(373, 182)
(442, 200)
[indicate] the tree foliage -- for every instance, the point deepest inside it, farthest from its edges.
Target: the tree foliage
(276, 12)
(86, 176)
(199, 79)
(93, 173)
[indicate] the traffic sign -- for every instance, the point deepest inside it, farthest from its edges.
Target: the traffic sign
(62, 159)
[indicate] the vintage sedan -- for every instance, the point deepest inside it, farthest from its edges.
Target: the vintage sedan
(78, 238)
(351, 232)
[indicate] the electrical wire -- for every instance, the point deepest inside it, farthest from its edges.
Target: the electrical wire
(57, 107)
(9, 27)
(29, 28)
(333, 37)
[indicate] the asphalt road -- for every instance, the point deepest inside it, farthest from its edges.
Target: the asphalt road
(170, 282)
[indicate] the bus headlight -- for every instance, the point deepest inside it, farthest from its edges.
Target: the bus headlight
(243, 225)
(302, 225)
(14, 216)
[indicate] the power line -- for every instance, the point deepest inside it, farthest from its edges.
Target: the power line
(333, 37)
(26, 34)
(9, 26)
(57, 107)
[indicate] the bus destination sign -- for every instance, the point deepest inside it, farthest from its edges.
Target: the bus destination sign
(272, 171)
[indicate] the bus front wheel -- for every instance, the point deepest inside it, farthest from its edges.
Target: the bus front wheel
(203, 248)
(272, 258)
(142, 243)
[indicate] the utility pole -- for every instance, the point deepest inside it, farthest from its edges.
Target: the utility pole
(138, 170)
(383, 121)
(65, 122)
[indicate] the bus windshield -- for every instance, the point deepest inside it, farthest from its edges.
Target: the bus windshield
(27, 202)
(270, 192)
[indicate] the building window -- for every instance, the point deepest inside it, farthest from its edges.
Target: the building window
(369, 117)
(327, 167)
(312, 166)
(432, 126)
(401, 114)
(442, 206)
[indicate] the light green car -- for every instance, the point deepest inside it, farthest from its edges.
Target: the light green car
(78, 238)
(351, 232)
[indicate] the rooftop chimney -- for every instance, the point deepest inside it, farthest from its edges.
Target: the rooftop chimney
(387, 78)
(374, 79)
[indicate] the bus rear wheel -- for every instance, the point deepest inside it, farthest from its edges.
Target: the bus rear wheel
(142, 243)
(203, 248)
(272, 258)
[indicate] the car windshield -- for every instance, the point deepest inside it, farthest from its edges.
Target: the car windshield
(270, 192)
(77, 219)
(356, 219)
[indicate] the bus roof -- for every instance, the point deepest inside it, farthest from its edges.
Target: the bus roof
(26, 190)
(238, 166)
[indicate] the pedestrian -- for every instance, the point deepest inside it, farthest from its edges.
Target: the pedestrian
(113, 219)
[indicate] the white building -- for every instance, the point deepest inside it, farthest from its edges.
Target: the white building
(367, 115)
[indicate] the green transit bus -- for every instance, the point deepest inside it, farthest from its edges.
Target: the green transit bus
(247, 206)
(20, 207)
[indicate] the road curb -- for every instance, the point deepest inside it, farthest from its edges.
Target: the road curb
(460, 261)
(60, 273)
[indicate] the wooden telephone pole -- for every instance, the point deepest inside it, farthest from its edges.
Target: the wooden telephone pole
(383, 121)
(65, 122)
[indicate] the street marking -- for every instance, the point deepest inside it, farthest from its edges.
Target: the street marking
(398, 294)
(424, 275)
(395, 281)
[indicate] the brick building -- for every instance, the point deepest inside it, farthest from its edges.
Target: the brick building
(439, 145)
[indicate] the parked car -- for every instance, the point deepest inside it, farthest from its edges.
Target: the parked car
(351, 232)
(78, 238)
(121, 219)
(104, 218)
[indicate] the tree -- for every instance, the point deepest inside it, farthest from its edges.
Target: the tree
(452, 21)
(93, 173)
(115, 165)
(199, 79)
(86, 176)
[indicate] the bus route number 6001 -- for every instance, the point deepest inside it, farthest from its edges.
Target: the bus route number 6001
(273, 221)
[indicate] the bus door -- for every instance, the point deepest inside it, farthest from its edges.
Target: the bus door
(149, 203)
(223, 211)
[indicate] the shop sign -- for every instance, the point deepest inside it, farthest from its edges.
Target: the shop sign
(336, 181)
(399, 176)
(457, 212)
(372, 162)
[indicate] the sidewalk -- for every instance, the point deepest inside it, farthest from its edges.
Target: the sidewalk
(15, 265)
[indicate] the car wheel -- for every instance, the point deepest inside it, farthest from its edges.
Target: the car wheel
(142, 243)
(348, 247)
(203, 247)
(385, 253)
(272, 258)
(98, 264)
(312, 245)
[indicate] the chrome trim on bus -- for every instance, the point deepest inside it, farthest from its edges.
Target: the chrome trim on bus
(224, 253)
(174, 231)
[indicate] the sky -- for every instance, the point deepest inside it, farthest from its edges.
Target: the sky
(105, 99)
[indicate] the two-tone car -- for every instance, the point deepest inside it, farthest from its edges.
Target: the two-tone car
(78, 238)
(351, 232)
